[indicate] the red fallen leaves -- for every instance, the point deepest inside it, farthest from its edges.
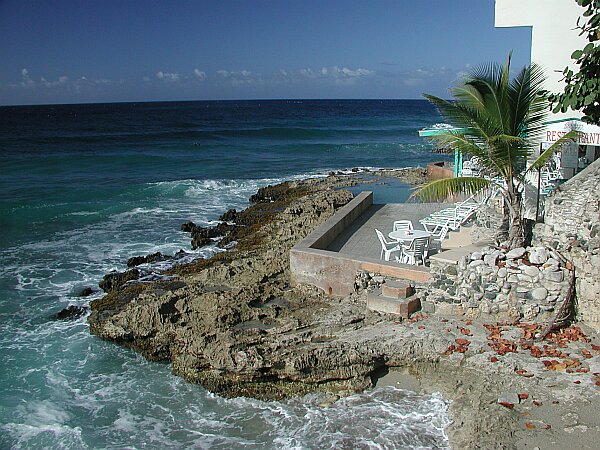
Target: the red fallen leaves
(524, 373)
(558, 366)
(469, 322)
(537, 403)
(465, 331)
(586, 353)
(596, 348)
(536, 352)
(529, 331)
(494, 359)
(530, 425)
(503, 346)
(507, 405)
(421, 327)
(462, 345)
(523, 396)
(417, 317)
(571, 334)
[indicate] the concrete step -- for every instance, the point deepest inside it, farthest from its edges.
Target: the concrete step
(397, 289)
(401, 307)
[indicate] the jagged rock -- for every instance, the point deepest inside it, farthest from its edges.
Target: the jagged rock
(230, 216)
(204, 236)
(86, 292)
(188, 227)
(154, 257)
(115, 280)
(71, 312)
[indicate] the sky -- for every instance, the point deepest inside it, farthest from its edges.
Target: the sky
(132, 50)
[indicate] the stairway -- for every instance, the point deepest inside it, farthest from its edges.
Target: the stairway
(396, 297)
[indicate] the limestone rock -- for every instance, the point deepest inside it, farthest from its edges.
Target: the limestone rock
(538, 255)
(515, 253)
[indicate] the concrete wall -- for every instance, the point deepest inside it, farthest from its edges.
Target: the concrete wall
(572, 226)
(553, 35)
(333, 272)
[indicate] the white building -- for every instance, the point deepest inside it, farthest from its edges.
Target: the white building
(554, 37)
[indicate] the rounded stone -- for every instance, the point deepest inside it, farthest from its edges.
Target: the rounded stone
(557, 277)
(475, 256)
(538, 255)
(502, 272)
(539, 294)
(491, 260)
(515, 253)
(476, 263)
(532, 271)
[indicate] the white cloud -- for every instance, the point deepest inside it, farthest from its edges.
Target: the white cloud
(168, 76)
(239, 77)
(61, 81)
(200, 74)
(26, 80)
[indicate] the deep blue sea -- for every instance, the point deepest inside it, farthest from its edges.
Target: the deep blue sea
(84, 187)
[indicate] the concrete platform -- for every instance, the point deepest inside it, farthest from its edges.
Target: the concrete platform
(331, 256)
(360, 240)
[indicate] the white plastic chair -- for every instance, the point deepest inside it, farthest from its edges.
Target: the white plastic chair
(417, 251)
(438, 236)
(387, 248)
(400, 225)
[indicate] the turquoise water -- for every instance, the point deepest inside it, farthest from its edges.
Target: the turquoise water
(84, 187)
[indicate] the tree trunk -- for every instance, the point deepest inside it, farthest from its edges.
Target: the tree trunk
(516, 228)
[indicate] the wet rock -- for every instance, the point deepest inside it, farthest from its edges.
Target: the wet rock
(188, 227)
(71, 312)
(115, 280)
(205, 236)
(154, 257)
(230, 216)
(86, 292)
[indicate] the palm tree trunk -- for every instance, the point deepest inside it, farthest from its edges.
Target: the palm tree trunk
(516, 225)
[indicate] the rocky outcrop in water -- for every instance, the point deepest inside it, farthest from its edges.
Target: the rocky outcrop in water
(71, 312)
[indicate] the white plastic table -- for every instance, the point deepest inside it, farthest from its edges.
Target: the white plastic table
(406, 236)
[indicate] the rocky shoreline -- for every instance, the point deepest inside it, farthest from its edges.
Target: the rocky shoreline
(235, 325)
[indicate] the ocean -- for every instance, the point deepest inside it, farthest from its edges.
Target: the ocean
(84, 187)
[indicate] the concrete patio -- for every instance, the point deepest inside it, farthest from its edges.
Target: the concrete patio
(332, 255)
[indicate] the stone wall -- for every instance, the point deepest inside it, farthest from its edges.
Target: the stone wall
(572, 226)
(520, 284)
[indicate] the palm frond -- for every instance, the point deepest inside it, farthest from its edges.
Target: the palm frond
(541, 160)
(440, 190)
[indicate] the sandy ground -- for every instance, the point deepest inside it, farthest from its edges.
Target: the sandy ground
(511, 394)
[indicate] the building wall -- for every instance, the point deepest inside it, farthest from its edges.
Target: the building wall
(553, 36)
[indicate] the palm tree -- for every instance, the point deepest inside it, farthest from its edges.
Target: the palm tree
(498, 121)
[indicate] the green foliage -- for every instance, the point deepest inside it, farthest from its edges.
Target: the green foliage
(503, 117)
(500, 122)
(582, 90)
